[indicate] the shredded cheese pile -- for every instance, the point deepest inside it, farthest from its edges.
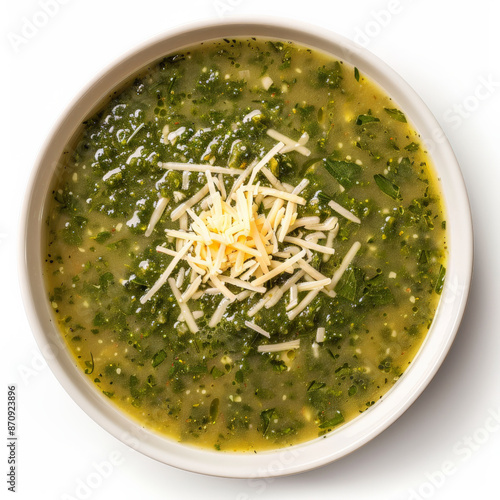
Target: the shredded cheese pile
(225, 240)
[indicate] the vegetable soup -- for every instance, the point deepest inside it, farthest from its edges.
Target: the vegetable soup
(246, 246)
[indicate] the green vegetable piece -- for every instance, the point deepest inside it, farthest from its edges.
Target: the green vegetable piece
(350, 286)
(214, 410)
(356, 74)
(266, 417)
(216, 373)
(286, 60)
(424, 257)
(102, 236)
(278, 365)
(330, 76)
(352, 390)
(158, 358)
(336, 420)
(324, 198)
(99, 319)
(362, 119)
(440, 280)
(238, 376)
(314, 386)
(108, 394)
(413, 146)
(105, 280)
(89, 365)
(72, 232)
(117, 245)
(395, 114)
(346, 173)
(387, 187)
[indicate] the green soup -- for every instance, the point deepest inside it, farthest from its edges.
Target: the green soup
(264, 303)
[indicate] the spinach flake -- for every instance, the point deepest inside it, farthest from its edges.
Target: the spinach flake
(346, 173)
(440, 280)
(158, 358)
(413, 146)
(395, 114)
(332, 422)
(362, 119)
(266, 417)
(387, 187)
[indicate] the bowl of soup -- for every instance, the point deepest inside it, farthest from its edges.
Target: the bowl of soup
(247, 248)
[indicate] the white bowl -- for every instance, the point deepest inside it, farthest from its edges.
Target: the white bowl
(348, 437)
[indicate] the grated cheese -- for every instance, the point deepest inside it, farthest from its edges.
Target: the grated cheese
(192, 288)
(302, 304)
(282, 194)
(186, 312)
(257, 328)
(284, 346)
(181, 209)
(193, 167)
(310, 245)
(242, 284)
(272, 179)
(161, 204)
(226, 241)
(290, 143)
(284, 288)
(265, 159)
(313, 285)
(225, 291)
(320, 334)
(294, 298)
(163, 278)
(343, 211)
(267, 81)
(279, 269)
(349, 256)
(219, 312)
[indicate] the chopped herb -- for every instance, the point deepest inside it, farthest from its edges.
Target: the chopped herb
(102, 236)
(266, 417)
(413, 146)
(387, 187)
(395, 114)
(345, 172)
(440, 280)
(314, 386)
(89, 365)
(214, 410)
(216, 373)
(362, 119)
(332, 422)
(158, 358)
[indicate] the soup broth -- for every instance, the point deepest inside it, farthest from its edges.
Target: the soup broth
(249, 345)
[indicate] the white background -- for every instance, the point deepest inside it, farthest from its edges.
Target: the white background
(446, 50)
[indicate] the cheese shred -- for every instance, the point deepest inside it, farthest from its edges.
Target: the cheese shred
(233, 241)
